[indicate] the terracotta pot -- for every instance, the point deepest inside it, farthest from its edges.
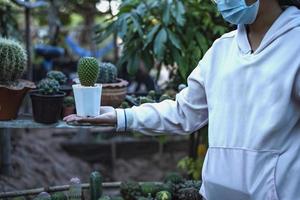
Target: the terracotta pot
(68, 111)
(11, 99)
(113, 94)
(46, 108)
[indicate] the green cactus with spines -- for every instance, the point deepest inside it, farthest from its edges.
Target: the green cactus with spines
(88, 71)
(59, 196)
(75, 190)
(163, 195)
(57, 75)
(95, 185)
(149, 189)
(130, 190)
(13, 61)
(108, 73)
(48, 86)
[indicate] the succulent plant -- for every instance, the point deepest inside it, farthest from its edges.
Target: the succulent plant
(108, 73)
(57, 75)
(152, 94)
(88, 71)
(95, 185)
(104, 198)
(163, 195)
(43, 196)
(124, 105)
(143, 100)
(130, 190)
(75, 190)
(174, 178)
(149, 189)
(59, 196)
(191, 184)
(69, 101)
(12, 62)
(48, 86)
(188, 194)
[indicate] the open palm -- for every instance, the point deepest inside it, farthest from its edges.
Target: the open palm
(107, 116)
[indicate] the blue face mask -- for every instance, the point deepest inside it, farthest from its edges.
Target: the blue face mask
(237, 11)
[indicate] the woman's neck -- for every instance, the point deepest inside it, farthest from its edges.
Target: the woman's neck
(267, 15)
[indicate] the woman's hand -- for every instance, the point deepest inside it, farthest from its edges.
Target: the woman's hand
(108, 116)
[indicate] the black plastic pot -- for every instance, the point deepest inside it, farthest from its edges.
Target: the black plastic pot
(46, 108)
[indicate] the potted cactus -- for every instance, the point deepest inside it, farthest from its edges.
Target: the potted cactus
(47, 101)
(68, 106)
(12, 89)
(87, 93)
(114, 89)
(62, 79)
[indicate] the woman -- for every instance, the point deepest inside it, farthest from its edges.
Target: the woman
(248, 87)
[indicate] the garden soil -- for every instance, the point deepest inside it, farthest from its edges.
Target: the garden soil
(38, 160)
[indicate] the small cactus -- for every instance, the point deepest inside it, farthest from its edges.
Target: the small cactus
(59, 196)
(12, 62)
(95, 185)
(108, 73)
(88, 71)
(48, 86)
(174, 178)
(57, 75)
(130, 190)
(143, 100)
(43, 196)
(149, 189)
(75, 191)
(69, 101)
(163, 195)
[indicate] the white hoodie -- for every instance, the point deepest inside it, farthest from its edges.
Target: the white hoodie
(252, 103)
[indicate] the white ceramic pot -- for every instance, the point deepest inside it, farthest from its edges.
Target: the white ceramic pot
(87, 100)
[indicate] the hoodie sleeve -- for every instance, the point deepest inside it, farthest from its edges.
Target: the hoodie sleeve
(186, 114)
(297, 85)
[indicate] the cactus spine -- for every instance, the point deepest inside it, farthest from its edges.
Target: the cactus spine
(12, 62)
(88, 71)
(95, 185)
(108, 73)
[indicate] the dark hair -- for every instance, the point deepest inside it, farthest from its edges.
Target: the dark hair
(290, 3)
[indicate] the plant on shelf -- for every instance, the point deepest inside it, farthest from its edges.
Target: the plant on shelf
(47, 101)
(12, 88)
(57, 75)
(114, 89)
(68, 106)
(87, 93)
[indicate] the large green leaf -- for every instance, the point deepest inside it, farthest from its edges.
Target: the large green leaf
(160, 43)
(151, 34)
(174, 39)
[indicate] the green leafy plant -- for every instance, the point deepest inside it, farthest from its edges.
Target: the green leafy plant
(173, 177)
(12, 62)
(57, 75)
(149, 189)
(176, 33)
(191, 166)
(130, 190)
(108, 73)
(48, 86)
(163, 195)
(88, 71)
(189, 194)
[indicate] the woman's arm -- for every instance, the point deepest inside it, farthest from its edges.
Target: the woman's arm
(186, 114)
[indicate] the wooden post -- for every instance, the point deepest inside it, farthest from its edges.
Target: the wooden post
(28, 43)
(5, 152)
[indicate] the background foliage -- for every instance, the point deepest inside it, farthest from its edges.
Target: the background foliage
(170, 32)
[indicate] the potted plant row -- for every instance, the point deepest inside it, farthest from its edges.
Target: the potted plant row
(12, 88)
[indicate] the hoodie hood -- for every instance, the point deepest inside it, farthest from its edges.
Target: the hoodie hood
(288, 20)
